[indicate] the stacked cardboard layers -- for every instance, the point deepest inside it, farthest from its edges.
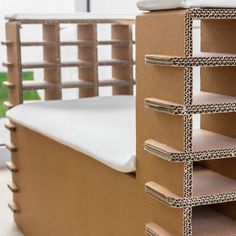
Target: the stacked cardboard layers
(207, 154)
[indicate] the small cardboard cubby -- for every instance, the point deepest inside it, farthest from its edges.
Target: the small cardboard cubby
(204, 158)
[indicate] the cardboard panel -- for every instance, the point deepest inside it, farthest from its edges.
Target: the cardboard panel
(51, 33)
(88, 32)
(13, 56)
(219, 80)
(124, 53)
(222, 123)
(74, 193)
(164, 83)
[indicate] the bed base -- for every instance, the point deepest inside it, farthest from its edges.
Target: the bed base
(63, 192)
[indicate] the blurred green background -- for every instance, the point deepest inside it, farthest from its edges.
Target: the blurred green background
(28, 95)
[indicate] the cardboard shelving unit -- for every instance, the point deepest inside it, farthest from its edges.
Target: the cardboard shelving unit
(194, 166)
(121, 41)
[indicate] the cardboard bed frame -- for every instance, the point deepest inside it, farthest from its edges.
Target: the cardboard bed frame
(185, 182)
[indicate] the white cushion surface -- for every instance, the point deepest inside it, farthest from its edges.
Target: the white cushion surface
(151, 5)
(101, 127)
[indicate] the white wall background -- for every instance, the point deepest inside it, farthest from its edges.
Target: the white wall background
(121, 6)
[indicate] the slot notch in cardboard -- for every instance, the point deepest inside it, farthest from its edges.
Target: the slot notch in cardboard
(8, 85)
(11, 166)
(8, 105)
(11, 147)
(153, 229)
(10, 126)
(14, 208)
(12, 186)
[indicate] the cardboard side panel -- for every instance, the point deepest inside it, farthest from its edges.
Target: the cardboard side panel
(125, 53)
(156, 34)
(73, 193)
(52, 54)
(88, 32)
(13, 56)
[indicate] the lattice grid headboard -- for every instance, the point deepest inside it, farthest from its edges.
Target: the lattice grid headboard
(121, 62)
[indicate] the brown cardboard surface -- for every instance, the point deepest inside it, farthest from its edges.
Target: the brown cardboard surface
(122, 52)
(220, 123)
(51, 33)
(13, 56)
(88, 32)
(208, 222)
(72, 192)
(218, 36)
(162, 83)
(219, 80)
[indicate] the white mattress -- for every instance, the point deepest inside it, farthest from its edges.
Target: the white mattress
(151, 5)
(101, 127)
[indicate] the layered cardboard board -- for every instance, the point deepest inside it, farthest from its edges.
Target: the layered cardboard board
(204, 158)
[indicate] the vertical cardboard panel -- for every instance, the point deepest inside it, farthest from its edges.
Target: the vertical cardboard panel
(218, 36)
(88, 32)
(14, 57)
(219, 80)
(156, 34)
(51, 32)
(95, 199)
(222, 123)
(125, 53)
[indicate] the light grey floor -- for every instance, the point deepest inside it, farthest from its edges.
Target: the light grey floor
(7, 225)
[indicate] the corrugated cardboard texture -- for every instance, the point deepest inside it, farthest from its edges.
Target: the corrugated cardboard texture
(158, 82)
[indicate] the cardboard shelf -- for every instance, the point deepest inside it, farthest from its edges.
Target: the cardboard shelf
(206, 146)
(35, 65)
(209, 187)
(79, 63)
(37, 44)
(208, 182)
(88, 64)
(205, 141)
(204, 102)
(209, 222)
(34, 85)
(114, 62)
(203, 59)
(153, 229)
(92, 43)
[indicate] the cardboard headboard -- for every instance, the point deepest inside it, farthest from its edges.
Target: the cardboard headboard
(88, 62)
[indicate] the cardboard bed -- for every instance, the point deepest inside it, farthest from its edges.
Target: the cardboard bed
(125, 165)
